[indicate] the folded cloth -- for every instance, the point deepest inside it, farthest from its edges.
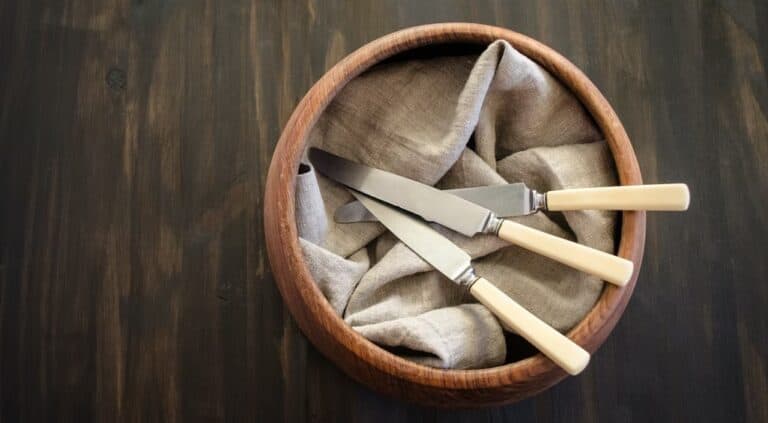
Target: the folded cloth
(455, 121)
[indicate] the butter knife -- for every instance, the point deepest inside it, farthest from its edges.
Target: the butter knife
(509, 200)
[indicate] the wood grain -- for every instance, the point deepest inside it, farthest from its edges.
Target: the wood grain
(133, 275)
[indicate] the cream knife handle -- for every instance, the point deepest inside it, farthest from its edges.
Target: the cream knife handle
(608, 267)
(558, 347)
(669, 197)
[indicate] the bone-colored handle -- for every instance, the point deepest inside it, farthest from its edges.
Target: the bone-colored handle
(662, 197)
(608, 267)
(559, 348)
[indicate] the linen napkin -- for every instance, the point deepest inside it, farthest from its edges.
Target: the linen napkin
(454, 121)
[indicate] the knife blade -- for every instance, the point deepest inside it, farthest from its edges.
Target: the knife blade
(466, 217)
(453, 262)
(504, 200)
(510, 200)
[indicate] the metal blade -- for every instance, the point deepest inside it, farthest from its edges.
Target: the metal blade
(428, 202)
(435, 249)
(506, 200)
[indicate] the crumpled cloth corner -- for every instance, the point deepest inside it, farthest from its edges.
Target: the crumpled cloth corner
(452, 122)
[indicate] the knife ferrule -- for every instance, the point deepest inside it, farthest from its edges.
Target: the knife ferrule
(493, 224)
(467, 278)
(538, 201)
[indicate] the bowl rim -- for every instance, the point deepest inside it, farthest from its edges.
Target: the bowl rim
(362, 359)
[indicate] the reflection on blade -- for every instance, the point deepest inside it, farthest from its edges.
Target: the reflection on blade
(428, 202)
(434, 248)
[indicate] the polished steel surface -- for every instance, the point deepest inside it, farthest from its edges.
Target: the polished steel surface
(506, 200)
(434, 248)
(428, 202)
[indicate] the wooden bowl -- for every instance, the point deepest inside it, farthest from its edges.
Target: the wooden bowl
(365, 361)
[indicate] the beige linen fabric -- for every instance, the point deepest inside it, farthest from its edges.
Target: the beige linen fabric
(455, 121)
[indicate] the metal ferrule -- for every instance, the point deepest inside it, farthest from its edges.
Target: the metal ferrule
(538, 201)
(493, 224)
(467, 278)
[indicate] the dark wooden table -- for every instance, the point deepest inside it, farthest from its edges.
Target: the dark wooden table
(135, 137)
